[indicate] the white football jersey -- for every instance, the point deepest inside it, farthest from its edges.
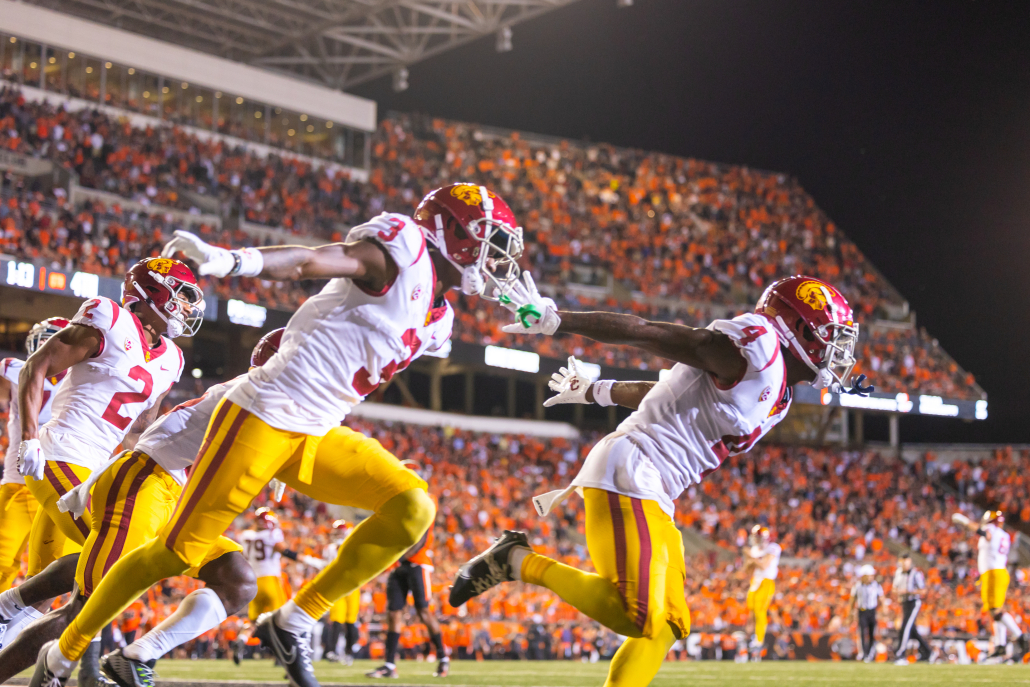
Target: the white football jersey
(993, 554)
(174, 440)
(344, 342)
(259, 548)
(773, 569)
(101, 397)
(10, 368)
(687, 425)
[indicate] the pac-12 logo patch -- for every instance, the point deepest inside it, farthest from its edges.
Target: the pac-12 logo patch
(416, 293)
(128, 344)
(765, 394)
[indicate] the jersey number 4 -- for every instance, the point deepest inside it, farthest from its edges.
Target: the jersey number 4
(112, 415)
(751, 334)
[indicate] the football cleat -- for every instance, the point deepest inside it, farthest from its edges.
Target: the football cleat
(331, 657)
(237, 650)
(347, 660)
(382, 671)
(488, 569)
(43, 676)
(443, 667)
(128, 672)
(292, 650)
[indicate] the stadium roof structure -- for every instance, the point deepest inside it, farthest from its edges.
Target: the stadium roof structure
(340, 43)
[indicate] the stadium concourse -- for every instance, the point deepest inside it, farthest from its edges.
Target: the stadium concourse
(665, 237)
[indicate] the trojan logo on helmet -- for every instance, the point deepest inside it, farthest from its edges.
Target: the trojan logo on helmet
(471, 195)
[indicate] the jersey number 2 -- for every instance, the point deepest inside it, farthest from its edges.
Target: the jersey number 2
(112, 415)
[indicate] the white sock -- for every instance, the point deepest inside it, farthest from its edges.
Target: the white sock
(1011, 624)
(58, 663)
(11, 603)
(515, 558)
(199, 612)
(293, 618)
(999, 634)
(18, 623)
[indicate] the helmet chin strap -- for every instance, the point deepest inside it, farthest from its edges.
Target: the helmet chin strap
(823, 376)
(173, 327)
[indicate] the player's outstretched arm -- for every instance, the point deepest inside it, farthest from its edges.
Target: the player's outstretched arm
(363, 261)
(710, 351)
(70, 346)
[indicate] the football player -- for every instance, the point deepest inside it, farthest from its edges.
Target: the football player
(411, 576)
(763, 556)
(17, 505)
(383, 307)
(992, 560)
(120, 362)
(343, 616)
(731, 384)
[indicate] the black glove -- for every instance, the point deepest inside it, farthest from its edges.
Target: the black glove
(857, 389)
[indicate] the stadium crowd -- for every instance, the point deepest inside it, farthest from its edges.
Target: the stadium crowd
(695, 233)
(830, 509)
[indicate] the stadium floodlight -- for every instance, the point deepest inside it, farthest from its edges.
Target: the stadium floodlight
(624, 3)
(504, 39)
(400, 80)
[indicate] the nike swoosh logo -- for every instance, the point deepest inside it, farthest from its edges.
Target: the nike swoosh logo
(47, 541)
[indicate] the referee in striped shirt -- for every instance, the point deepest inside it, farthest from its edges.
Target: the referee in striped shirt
(909, 590)
(866, 597)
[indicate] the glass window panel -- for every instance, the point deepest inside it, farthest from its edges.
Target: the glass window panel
(75, 75)
(31, 64)
(92, 79)
(53, 69)
(116, 86)
(202, 102)
(8, 47)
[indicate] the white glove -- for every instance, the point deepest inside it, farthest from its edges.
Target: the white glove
(316, 563)
(211, 260)
(30, 459)
(75, 501)
(278, 488)
(959, 519)
(536, 314)
(570, 383)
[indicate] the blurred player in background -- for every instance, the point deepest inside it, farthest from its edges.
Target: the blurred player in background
(866, 597)
(343, 616)
(384, 306)
(411, 575)
(992, 560)
(731, 384)
(17, 504)
(763, 556)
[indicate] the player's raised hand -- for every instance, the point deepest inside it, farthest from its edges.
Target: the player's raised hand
(570, 384)
(278, 488)
(211, 260)
(536, 314)
(960, 519)
(31, 461)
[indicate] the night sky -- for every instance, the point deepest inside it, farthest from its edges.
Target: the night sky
(909, 123)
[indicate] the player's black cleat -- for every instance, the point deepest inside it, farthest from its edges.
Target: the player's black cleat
(292, 650)
(488, 569)
(89, 668)
(443, 667)
(238, 646)
(128, 672)
(382, 671)
(43, 676)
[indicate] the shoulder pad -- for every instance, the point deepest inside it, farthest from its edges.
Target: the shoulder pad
(398, 234)
(99, 313)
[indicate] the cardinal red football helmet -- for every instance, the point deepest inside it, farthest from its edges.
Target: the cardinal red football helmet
(267, 518)
(42, 331)
(817, 323)
(477, 232)
(760, 534)
(266, 347)
(170, 288)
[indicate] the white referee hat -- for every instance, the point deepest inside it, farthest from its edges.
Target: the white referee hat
(867, 570)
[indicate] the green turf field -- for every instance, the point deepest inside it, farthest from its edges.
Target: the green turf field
(572, 674)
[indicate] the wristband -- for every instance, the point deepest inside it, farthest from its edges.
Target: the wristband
(289, 553)
(603, 392)
(247, 262)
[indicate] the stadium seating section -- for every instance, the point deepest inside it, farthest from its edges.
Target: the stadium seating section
(661, 236)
